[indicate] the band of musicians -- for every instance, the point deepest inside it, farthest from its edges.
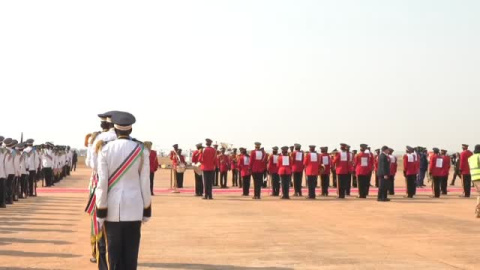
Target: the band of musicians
(291, 167)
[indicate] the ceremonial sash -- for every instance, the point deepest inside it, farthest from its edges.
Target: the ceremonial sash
(125, 166)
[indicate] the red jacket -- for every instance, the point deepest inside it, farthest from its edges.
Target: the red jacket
(223, 163)
(233, 162)
(464, 167)
(437, 165)
(196, 156)
(446, 169)
(257, 161)
(285, 168)
(153, 161)
(272, 165)
(394, 165)
(363, 164)
(326, 161)
(244, 165)
(409, 164)
(208, 159)
(342, 162)
(312, 164)
(173, 158)
(297, 165)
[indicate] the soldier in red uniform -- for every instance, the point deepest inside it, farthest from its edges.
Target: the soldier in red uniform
(198, 177)
(272, 166)
(285, 162)
(325, 162)
(363, 169)
(465, 170)
(393, 171)
(445, 171)
(342, 163)
(297, 168)
(410, 171)
(173, 155)
(244, 168)
(257, 167)
(208, 159)
(312, 167)
(332, 168)
(354, 172)
(437, 164)
(223, 163)
(234, 167)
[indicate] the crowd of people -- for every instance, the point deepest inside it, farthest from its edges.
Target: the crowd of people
(23, 165)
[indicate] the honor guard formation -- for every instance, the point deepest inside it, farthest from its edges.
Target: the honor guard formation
(23, 165)
(120, 193)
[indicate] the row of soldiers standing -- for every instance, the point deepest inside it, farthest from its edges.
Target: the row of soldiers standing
(23, 164)
(346, 168)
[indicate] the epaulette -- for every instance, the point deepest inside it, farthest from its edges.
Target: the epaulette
(137, 141)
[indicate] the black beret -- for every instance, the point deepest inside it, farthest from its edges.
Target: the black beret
(312, 146)
(363, 145)
(275, 148)
(257, 143)
(123, 119)
(1, 138)
(199, 145)
(285, 147)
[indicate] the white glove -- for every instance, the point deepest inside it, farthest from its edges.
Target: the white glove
(145, 219)
(100, 222)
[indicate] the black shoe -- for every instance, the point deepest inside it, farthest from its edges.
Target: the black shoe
(285, 198)
(93, 260)
(3, 206)
(204, 198)
(210, 198)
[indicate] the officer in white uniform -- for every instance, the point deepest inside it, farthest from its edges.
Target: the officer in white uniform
(107, 135)
(3, 175)
(10, 168)
(32, 164)
(48, 163)
(123, 193)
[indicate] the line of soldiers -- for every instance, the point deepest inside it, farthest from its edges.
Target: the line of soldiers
(346, 168)
(23, 164)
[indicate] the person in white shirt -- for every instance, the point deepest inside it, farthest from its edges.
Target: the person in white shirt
(48, 163)
(123, 193)
(32, 165)
(10, 168)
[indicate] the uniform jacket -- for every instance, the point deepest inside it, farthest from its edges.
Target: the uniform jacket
(105, 136)
(285, 165)
(129, 199)
(383, 165)
(326, 161)
(409, 164)
(153, 161)
(437, 165)
(258, 160)
(363, 164)
(298, 157)
(223, 163)
(312, 163)
(464, 167)
(244, 165)
(272, 165)
(208, 159)
(342, 162)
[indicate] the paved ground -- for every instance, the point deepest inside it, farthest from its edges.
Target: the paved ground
(233, 232)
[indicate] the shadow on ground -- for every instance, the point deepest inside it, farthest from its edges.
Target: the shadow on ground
(206, 266)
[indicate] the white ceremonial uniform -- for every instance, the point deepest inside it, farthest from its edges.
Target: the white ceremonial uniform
(18, 163)
(10, 161)
(3, 173)
(127, 200)
(105, 136)
(47, 158)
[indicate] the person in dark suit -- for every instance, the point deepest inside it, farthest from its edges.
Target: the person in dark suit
(383, 175)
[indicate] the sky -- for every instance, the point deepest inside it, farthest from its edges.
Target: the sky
(381, 72)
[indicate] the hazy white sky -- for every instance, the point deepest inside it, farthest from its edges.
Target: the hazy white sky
(314, 72)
